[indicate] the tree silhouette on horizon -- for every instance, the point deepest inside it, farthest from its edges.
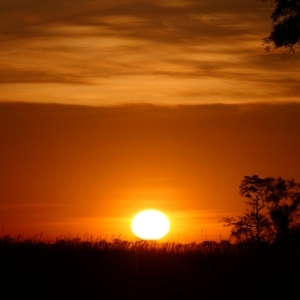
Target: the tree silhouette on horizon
(273, 210)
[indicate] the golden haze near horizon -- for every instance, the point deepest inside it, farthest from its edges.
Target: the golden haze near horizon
(109, 108)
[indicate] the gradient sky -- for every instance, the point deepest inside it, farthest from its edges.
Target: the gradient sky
(108, 107)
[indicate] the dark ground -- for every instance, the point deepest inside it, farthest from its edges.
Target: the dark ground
(120, 270)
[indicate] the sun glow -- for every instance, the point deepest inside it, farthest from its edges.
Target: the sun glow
(150, 224)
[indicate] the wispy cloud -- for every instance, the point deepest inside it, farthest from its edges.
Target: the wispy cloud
(150, 51)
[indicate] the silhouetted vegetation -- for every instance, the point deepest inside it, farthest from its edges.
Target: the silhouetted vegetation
(286, 25)
(272, 216)
(263, 259)
(77, 269)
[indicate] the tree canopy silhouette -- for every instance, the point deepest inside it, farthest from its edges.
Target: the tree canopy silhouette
(286, 25)
(273, 210)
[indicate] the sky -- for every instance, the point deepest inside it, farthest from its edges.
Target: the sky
(107, 108)
(100, 52)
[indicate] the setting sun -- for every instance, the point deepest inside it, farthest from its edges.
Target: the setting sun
(150, 224)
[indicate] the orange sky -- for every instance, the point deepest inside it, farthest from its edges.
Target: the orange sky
(138, 104)
(90, 169)
(150, 51)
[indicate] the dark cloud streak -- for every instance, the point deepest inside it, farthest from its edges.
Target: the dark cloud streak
(31, 19)
(90, 42)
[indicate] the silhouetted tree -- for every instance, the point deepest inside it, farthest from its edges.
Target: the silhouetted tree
(274, 205)
(254, 226)
(253, 188)
(286, 24)
(283, 200)
(245, 228)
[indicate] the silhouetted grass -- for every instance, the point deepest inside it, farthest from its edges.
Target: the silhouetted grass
(71, 268)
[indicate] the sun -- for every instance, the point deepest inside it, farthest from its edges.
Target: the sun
(150, 224)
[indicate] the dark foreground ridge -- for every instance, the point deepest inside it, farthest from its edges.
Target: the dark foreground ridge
(75, 269)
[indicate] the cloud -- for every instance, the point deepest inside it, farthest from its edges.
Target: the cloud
(147, 19)
(141, 50)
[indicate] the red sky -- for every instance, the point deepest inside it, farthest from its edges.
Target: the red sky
(110, 107)
(81, 169)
